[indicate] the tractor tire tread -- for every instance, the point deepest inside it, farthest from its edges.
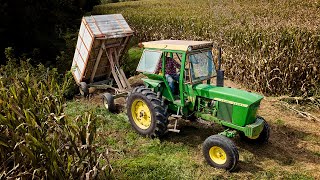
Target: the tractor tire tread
(227, 145)
(159, 117)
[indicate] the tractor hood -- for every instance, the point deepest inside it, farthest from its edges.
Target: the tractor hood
(228, 95)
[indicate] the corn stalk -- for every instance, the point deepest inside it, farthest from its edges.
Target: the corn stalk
(270, 47)
(37, 140)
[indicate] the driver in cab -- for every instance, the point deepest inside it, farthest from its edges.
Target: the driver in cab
(170, 71)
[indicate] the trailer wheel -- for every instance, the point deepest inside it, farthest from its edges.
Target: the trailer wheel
(84, 89)
(220, 152)
(262, 138)
(108, 102)
(146, 115)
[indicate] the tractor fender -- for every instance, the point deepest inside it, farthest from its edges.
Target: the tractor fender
(151, 83)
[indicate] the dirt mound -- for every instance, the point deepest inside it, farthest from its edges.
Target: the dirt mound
(136, 80)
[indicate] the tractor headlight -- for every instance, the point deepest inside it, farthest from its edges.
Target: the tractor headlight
(189, 48)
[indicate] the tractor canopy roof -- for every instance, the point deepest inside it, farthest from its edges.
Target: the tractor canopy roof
(179, 45)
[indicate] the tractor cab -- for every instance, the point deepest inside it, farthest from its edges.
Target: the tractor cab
(195, 65)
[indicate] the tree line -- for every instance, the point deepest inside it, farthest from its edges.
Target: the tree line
(44, 31)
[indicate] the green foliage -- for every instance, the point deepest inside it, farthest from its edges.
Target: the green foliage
(65, 57)
(37, 140)
(269, 46)
(131, 60)
(134, 156)
(154, 166)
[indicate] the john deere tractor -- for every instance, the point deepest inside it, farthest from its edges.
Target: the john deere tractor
(149, 106)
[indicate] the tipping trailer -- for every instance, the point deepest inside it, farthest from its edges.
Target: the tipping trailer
(102, 41)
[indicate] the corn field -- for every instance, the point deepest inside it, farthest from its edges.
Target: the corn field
(269, 46)
(37, 140)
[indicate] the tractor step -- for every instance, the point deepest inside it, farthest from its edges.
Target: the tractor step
(174, 129)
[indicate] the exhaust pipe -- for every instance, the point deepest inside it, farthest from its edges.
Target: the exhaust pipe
(220, 73)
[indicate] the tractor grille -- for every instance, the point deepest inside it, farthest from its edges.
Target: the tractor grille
(225, 111)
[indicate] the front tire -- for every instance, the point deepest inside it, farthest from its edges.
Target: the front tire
(146, 115)
(262, 138)
(220, 152)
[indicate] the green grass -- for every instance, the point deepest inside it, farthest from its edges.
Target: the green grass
(134, 156)
(280, 122)
(176, 156)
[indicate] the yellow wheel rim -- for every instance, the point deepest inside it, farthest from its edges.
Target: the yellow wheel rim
(217, 155)
(141, 114)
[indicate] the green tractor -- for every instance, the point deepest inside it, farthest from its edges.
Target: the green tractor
(194, 97)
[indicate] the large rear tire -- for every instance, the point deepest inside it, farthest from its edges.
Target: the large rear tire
(262, 138)
(220, 152)
(146, 114)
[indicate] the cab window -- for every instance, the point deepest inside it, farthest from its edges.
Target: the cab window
(201, 66)
(149, 61)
